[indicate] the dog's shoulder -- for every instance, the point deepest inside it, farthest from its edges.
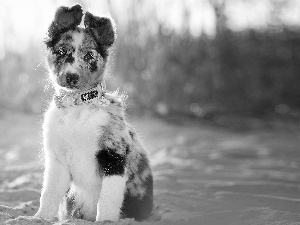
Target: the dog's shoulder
(117, 104)
(116, 98)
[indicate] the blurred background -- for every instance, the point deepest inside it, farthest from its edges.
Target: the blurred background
(187, 58)
(214, 91)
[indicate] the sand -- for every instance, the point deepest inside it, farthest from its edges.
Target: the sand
(203, 174)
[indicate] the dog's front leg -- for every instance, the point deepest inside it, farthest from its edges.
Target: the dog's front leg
(111, 198)
(55, 185)
(113, 186)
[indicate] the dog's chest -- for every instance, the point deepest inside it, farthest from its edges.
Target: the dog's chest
(74, 134)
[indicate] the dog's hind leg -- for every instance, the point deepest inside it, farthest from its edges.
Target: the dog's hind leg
(138, 200)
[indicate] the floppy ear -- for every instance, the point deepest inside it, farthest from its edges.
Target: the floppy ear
(65, 19)
(102, 28)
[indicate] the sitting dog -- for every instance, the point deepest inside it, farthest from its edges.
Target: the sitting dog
(95, 165)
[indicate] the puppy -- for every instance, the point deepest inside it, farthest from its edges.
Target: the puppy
(95, 165)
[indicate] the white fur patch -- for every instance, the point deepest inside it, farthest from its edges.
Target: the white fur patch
(77, 41)
(111, 198)
(56, 182)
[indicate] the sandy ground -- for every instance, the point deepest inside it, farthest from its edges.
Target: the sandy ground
(203, 174)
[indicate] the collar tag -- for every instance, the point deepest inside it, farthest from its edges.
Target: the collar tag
(89, 95)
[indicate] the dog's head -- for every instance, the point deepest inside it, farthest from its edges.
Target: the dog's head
(77, 56)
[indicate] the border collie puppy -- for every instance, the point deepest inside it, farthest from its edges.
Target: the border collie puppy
(95, 165)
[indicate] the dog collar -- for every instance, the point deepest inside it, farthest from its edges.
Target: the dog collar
(94, 96)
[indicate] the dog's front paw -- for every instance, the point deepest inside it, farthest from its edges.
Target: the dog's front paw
(107, 214)
(38, 215)
(106, 221)
(104, 214)
(44, 215)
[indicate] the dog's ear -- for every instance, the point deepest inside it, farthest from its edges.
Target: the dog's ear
(65, 19)
(102, 28)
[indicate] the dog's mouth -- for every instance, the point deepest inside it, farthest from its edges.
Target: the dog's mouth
(68, 87)
(72, 87)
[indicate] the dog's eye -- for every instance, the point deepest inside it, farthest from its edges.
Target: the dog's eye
(61, 52)
(88, 56)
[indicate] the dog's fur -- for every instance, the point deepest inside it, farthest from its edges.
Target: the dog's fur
(95, 165)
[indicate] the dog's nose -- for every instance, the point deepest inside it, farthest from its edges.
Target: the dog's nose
(72, 79)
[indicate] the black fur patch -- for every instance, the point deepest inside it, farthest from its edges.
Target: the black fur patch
(103, 51)
(102, 30)
(101, 27)
(115, 117)
(93, 66)
(127, 149)
(110, 162)
(70, 59)
(139, 208)
(131, 134)
(65, 19)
